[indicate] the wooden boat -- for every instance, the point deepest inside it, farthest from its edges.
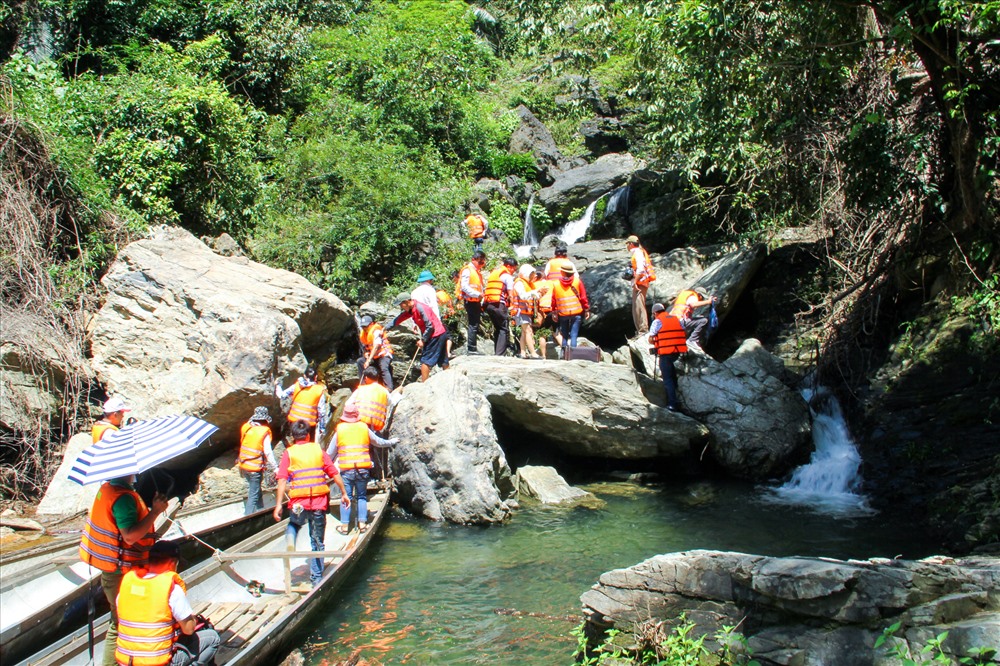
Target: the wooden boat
(44, 592)
(255, 630)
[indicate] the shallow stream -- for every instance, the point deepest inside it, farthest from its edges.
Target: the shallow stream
(443, 594)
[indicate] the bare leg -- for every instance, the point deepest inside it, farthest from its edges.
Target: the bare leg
(425, 371)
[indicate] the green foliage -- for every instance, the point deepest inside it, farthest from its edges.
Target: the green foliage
(985, 307)
(520, 164)
(652, 644)
(933, 652)
(506, 218)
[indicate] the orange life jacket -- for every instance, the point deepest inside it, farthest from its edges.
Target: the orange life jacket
(650, 272)
(475, 282)
(477, 228)
(566, 299)
(146, 628)
(353, 446)
(102, 545)
(523, 306)
(680, 308)
(305, 470)
(373, 404)
(100, 429)
(553, 269)
(305, 403)
(368, 339)
(444, 302)
(545, 300)
(252, 436)
(496, 290)
(670, 339)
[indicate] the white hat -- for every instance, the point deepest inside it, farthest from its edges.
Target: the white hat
(526, 271)
(116, 404)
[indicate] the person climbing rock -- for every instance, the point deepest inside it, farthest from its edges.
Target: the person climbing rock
(478, 226)
(684, 306)
(496, 298)
(643, 273)
(425, 292)
(472, 285)
(377, 350)
(433, 334)
(309, 402)
(255, 453)
(668, 339)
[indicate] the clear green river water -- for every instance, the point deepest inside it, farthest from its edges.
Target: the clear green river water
(429, 593)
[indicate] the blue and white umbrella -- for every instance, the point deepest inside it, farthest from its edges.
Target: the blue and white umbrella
(138, 447)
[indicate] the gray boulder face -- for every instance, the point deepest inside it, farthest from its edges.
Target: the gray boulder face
(532, 136)
(582, 408)
(603, 136)
(186, 331)
(448, 464)
(758, 423)
(64, 497)
(545, 485)
(580, 186)
(807, 610)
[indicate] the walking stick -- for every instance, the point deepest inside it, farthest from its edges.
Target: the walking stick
(406, 375)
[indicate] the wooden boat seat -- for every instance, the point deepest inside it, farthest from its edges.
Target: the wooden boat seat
(238, 623)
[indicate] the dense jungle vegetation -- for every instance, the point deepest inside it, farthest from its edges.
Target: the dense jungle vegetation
(340, 139)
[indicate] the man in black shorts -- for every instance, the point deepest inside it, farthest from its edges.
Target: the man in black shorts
(433, 334)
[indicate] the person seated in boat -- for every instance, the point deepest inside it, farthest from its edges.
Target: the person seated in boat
(351, 448)
(304, 471)
(255, 452)
(309, 401)
(117, 537)
(157, 626)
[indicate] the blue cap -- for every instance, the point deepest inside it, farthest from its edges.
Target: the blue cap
(425, 276)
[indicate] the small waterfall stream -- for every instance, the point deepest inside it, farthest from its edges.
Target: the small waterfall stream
(529, 237)
(830, 482)
(577, 229)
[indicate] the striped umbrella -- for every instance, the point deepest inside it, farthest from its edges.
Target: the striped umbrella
(138, 447)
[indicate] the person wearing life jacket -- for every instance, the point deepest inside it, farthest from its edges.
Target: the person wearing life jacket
(255, 453)
(553, 268)
(684, 306)
(157, 625)
(308, 401)
(669, 341)
(372, 400)
(496, 298)
(472, 285)
(351, 449)
(433, 334)
(305, 472)
(643, 273)
(478, 226)
(569, 300)
(114, 415)
(117, 537)
(549, 319)
(525, 308)
(376, 348)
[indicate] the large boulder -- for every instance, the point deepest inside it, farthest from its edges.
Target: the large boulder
(64, 497)
(582, 408)
(448, 464)
(544, 484)
(533, 137)
(758, 423)
(801, 610)
(582, 185)
(185, 330)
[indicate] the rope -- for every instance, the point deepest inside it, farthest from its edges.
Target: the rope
(177, 523)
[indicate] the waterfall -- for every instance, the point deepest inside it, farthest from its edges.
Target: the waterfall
(830, 482)
(618, 201)
(574, 231)
(529, 237)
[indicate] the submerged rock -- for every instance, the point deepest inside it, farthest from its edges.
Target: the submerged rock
(545, 485)
(448, 464)
(799, 610)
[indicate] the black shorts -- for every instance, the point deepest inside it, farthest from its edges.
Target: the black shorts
(436, 351)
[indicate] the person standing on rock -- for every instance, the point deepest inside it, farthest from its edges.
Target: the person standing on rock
(308, 401)
(158, 624)
(669, 340)
(372, 400)
(478, 226)
(304, 470)
(684, 306)
(114, 415)
(643, 273)
(553, 268)
(117, 538)
(472, 285)
(569, 301)
(351, 449)
(499, 287)
(378, 351)
(433, 334)
(425, 292)
(526, 308)
(255, 452)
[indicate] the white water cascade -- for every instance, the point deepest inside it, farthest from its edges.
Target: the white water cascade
(577, 229)
(529, 237)
(830, 482)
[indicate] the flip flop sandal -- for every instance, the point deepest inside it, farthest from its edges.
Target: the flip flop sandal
(342, 529)
(362, 527)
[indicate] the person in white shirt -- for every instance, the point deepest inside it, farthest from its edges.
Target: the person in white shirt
(426, 293)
